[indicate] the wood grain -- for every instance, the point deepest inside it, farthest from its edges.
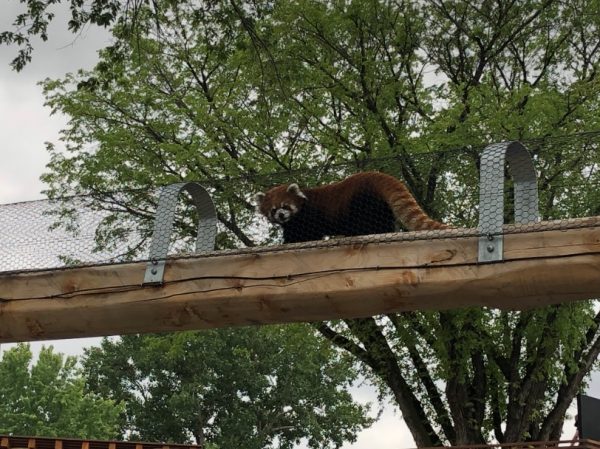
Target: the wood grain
(304, 284)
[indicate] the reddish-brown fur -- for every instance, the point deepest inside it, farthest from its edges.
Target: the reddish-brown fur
(364, 203)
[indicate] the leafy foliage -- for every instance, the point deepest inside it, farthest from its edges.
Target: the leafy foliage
(47, 398)
(265, 387)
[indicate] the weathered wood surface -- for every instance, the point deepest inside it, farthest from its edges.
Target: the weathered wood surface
(327, 282)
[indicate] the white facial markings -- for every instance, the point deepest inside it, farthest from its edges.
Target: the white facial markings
(283, 213)
(284, 210)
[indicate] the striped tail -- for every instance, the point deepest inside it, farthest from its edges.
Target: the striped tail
(404, 206)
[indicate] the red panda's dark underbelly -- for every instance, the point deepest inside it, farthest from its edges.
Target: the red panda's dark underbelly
(363, 214)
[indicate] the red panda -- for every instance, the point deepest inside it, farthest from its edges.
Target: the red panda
(364, 203)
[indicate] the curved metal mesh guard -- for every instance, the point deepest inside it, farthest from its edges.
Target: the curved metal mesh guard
(493, 162)
(164, 220)
(115, 227)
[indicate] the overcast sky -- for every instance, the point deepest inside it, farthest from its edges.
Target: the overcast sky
(26, 124)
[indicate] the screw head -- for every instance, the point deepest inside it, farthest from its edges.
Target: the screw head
(490, 248)
(153, 271)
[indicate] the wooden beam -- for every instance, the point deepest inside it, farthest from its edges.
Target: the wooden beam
(324, 282)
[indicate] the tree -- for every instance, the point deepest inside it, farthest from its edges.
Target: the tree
(263, 387)
(47, 398)
(256, 93)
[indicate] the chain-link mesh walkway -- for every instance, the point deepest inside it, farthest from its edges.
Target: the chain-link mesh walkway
(113, 227)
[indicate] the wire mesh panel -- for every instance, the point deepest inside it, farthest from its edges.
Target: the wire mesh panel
(436, 193)
(84, 230)
(491, 194)
(30, 237)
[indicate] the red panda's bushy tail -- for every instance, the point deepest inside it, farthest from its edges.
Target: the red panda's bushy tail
(403, 204)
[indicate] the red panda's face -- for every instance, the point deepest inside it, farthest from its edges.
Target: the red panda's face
(281, 203)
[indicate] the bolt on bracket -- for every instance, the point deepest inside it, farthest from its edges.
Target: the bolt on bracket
(491, 195)
(163, 226)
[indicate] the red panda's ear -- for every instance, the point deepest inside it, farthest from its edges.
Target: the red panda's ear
(258, 198)
(293, 188)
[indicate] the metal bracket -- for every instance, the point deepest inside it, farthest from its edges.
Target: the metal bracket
(491, 195)
(163, 226)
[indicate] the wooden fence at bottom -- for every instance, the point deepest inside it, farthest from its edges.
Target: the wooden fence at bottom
(23, 442)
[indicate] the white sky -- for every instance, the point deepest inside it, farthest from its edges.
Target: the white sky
(25, 124)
